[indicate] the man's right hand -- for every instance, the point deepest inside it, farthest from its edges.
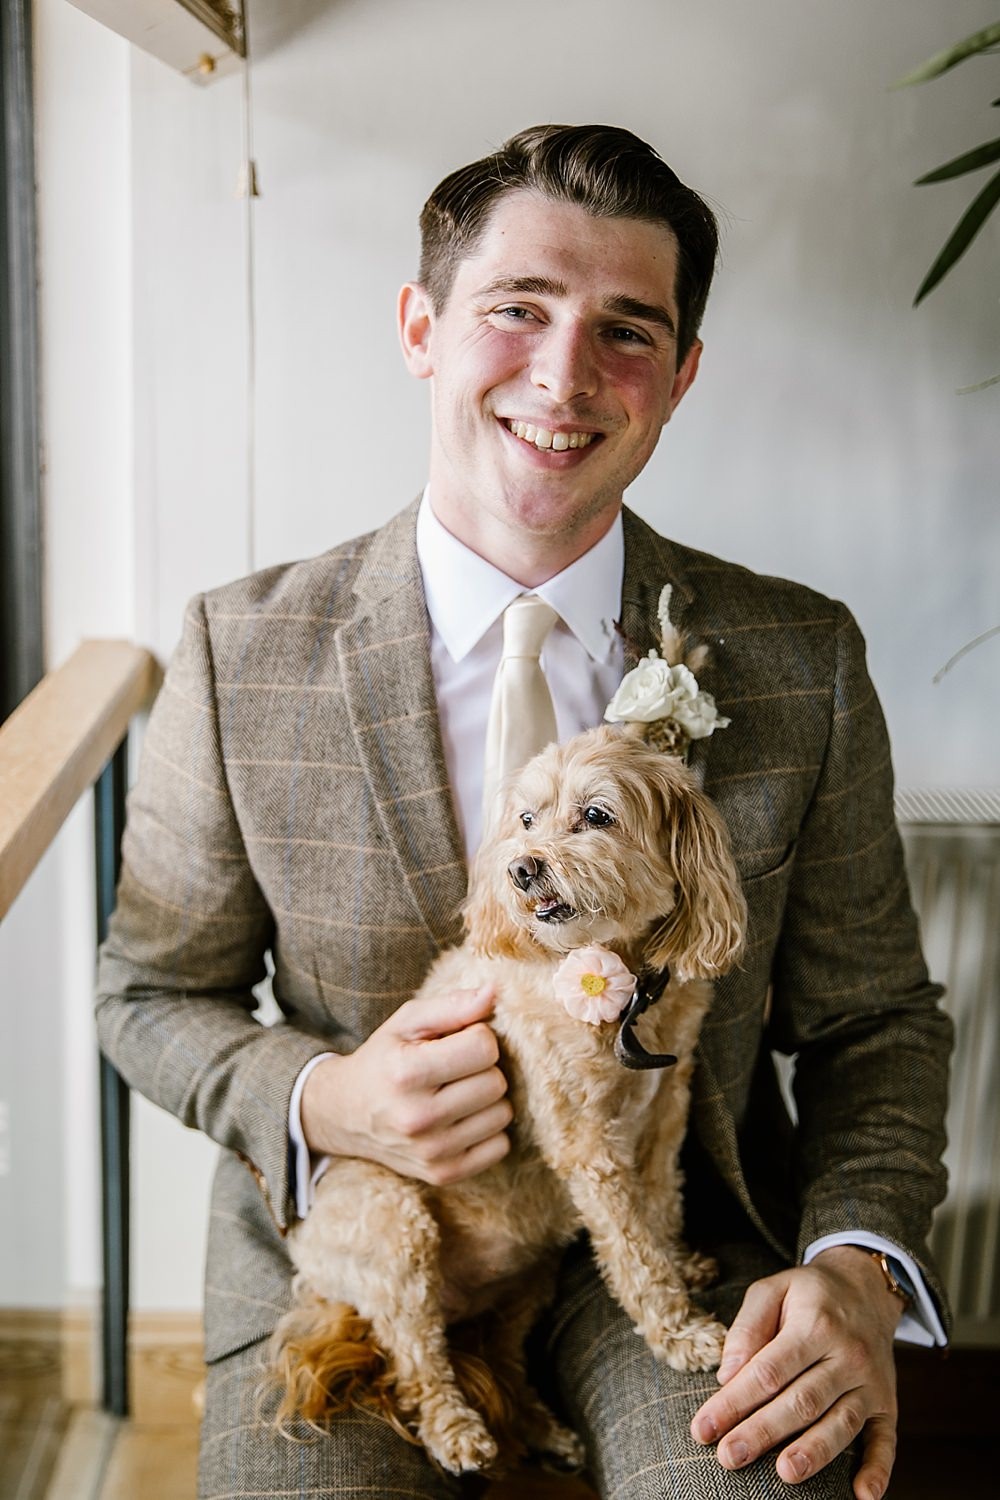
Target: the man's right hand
(422, 1095)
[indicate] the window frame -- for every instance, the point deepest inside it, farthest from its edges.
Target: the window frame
(22, 654)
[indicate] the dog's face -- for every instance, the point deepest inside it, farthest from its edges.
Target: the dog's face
(605, 840)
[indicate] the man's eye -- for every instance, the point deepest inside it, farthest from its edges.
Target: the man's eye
(516, 314)
(597, 817)
(628, 336)
(527, 819)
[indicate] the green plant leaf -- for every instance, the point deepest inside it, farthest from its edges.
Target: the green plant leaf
(980, 157)
(962, 236)
(980, 41)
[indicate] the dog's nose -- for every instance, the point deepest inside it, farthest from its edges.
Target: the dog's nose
(524, 870)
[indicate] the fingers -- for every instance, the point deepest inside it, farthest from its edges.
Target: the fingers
(441, 1015)
(423, 1094)
(807, 1363)
(872, 1479)
(759, 1359)
(754, 1326)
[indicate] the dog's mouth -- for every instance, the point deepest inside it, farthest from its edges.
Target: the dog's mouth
(554, 911)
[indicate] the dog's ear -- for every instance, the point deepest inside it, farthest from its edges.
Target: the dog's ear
(704, 933)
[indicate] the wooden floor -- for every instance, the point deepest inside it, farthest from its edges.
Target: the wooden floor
(49, 1451)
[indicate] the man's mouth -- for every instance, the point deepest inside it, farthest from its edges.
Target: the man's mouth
(554, 911)
(543, 438)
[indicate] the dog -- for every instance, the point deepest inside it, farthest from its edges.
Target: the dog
(600, 841)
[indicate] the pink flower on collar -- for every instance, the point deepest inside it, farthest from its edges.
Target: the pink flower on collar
(594, 985)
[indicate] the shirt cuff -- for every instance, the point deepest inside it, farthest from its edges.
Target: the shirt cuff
(920, 1323)
(306, 1168)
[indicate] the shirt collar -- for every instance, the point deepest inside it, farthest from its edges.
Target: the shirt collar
(465, 594)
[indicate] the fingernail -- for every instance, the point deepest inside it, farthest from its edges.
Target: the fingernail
(737, 1454)
(798, 1463)
(705, 1430)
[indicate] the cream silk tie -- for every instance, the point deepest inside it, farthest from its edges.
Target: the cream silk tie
(522, 719)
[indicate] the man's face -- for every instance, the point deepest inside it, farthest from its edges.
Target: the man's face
(554, 368)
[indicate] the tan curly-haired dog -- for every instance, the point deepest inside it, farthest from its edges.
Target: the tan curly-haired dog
(603, 841)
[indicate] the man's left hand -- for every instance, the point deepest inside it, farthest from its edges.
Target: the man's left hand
(809, 1357)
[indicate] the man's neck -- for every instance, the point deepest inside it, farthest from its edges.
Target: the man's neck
(530, 558)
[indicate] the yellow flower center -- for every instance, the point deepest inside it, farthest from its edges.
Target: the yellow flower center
(593, 984)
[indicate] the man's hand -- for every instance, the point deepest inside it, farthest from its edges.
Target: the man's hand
(809, 1357)
(422, 1095)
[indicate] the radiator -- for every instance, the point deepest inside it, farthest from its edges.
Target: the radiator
(952, 841)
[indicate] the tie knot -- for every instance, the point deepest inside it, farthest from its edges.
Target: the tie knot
(526, 624)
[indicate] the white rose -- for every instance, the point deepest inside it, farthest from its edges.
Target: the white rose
(699, 718)
(644, 694)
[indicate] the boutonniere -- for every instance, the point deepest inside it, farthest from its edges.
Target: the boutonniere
(593, 984)
(661, 696)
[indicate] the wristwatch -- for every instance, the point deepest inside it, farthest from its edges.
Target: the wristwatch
(894, 1276)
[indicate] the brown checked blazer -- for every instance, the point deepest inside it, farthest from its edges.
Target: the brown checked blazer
(293, 798)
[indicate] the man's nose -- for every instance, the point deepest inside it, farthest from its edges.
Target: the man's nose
(525, 870)
(565, 365)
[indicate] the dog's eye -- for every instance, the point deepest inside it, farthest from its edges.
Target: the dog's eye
(597, 817)
(527, 819)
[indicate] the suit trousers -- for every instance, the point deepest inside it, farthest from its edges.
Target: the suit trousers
(632, 1412)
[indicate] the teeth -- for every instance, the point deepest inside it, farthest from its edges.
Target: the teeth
(543, 438)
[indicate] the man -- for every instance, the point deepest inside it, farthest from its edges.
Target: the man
(311, 786)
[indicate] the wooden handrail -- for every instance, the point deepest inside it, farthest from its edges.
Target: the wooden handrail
(55, 745)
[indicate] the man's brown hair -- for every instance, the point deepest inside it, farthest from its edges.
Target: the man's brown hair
(606, 170)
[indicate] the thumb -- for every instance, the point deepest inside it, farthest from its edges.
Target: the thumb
(441, 1015)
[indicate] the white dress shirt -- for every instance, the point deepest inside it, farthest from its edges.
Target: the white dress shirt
(582, 661)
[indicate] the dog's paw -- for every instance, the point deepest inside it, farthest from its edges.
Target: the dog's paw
(699, 1271)
(695, 1346)
(456, 1438)
(557, 1446)
(561, 1449)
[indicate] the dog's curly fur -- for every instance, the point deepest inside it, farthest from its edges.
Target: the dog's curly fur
(626, 852)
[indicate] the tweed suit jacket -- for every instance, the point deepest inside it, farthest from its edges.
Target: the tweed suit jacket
(293, 799)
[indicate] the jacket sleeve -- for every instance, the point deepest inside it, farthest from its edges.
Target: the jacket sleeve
(187, 941)
(852, 997)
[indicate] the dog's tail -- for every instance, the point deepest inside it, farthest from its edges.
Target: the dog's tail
(326, 1360)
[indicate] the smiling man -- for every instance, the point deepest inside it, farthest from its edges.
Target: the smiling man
(312, 787)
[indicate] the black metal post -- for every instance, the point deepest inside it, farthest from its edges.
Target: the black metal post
(109, 821)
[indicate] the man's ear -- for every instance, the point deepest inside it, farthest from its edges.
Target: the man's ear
(685, 375)
(415, 321)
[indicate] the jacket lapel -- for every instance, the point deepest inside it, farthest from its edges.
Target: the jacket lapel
(384, 659)
(650, 562)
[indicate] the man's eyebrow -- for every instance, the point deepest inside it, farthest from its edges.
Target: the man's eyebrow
(544, 286)
(511, 286)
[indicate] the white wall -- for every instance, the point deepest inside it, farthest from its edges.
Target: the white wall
(823, 440)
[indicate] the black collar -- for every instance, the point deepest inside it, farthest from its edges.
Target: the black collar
(628, 1049)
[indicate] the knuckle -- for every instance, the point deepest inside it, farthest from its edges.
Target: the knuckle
(412, 1121)
(855, 1354)
(806, 1406)
(852, 1416)
(820, 1452)
(443, 1173)
(500, 1083)
(768, 1376)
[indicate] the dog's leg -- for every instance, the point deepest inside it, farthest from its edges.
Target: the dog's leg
(639, 1270)
(383, 1259)
(512, 1320)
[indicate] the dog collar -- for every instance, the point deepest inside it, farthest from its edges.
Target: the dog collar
(628, 1049)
